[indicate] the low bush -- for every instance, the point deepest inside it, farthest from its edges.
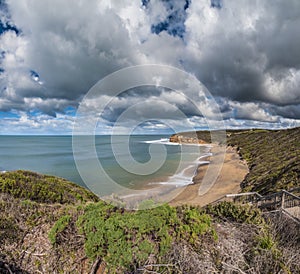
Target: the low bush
(126, 240)
(58, 227)
(43, 188)
(235, 212)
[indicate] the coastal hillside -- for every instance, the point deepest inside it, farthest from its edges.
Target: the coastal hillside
(51, 225)
(272, 156)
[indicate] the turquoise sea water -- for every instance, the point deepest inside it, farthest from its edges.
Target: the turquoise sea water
(54, 155)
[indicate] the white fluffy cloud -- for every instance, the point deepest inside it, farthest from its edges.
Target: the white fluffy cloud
(246, 53)
(24, 123)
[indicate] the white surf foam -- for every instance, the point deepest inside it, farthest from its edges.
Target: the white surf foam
(163, 141)
(205, 155)
(186, 176)
(182, 178)
(166, 141)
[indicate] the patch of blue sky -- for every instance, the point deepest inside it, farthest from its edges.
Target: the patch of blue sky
(35, 77)
(4, 27)
(216, 4)
(5, 23)
(2, 55)
(34, 74)
(145, 2)
(174, 24)
(70, 111)
(34, 113)
(9, 115)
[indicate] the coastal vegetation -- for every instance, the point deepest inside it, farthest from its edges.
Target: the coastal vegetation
(50, 225)
(43, 188)
(272, 156)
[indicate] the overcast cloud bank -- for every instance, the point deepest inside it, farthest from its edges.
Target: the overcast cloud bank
(245, 52)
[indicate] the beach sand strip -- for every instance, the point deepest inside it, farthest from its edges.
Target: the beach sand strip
(232, 173)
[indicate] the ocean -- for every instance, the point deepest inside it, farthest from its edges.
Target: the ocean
(53, 155)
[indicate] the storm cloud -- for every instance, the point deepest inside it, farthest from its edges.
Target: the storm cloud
(245, 52)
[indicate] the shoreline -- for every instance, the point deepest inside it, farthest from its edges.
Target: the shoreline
(232, 173)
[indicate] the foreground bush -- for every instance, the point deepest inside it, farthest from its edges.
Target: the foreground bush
(43, 188)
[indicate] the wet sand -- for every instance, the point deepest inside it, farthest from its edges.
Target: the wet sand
(232, 171)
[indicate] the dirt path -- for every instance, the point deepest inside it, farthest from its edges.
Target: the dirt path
(232, 173)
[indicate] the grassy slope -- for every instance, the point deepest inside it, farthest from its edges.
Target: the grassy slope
(272, 156)
(50, 225)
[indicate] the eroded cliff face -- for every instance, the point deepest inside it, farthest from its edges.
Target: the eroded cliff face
(177, 138)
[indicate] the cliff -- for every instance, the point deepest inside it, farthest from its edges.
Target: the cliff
(186, 140)
(200, 137)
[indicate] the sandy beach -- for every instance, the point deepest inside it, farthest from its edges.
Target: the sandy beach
(219, 174)
(232, 172)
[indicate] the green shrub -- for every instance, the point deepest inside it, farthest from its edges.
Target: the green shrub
(266, 241)
(43, 188)
(236, 213)
(195, 223)
(124, 239)
(58, 227)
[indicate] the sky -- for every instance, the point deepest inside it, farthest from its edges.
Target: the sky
(52, 52)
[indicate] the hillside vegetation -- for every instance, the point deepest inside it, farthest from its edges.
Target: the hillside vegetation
(50, 225)
(273, 156)
(95, 237)
(43, 188)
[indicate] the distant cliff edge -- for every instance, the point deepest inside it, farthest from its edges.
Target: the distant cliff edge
(177, 138)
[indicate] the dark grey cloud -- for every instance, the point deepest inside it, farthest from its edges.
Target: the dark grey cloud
(278, 34)
(229, 70)
(150, 103)
(247, 47)
(291, 111)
